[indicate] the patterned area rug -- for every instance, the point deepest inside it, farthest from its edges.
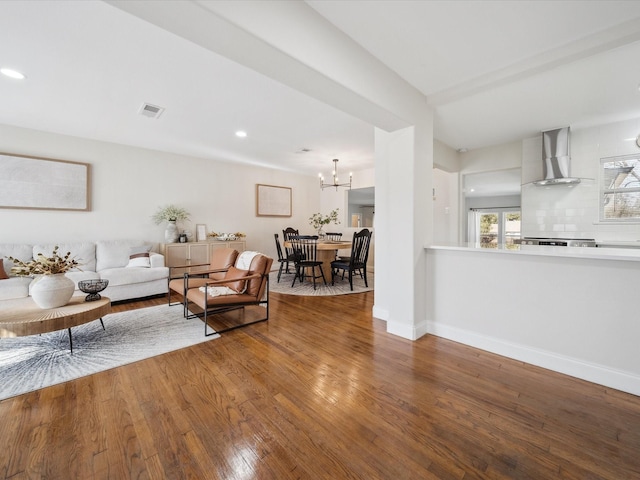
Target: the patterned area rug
(340, 288)
(37, 361)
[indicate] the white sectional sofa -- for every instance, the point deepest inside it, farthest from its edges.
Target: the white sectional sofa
(102, 259)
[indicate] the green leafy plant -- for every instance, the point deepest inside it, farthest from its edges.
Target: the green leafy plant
(43, 265)
(317, 219)
(170, 213)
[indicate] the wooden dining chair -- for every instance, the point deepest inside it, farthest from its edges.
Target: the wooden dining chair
(357, 262)
(305, 251)
(334, 237)
(282, 259)
(287, 233)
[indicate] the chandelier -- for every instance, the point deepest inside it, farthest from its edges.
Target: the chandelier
(335, 178)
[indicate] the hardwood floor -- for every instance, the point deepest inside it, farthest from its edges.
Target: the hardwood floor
(321, 391)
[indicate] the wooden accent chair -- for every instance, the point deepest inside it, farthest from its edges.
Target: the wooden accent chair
(358, 260)
(220, 261)
(251, 288)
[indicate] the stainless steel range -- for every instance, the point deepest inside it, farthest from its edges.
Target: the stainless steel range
(559, 242)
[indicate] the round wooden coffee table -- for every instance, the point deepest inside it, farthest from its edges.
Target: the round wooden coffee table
(21, 316)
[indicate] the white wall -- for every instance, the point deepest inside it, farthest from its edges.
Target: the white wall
(573, 212)
(445, 158)
(541, 307)
(498, 157)
(446, 219)
(129, 184)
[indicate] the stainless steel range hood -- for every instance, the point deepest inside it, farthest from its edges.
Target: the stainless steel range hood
(556, 160)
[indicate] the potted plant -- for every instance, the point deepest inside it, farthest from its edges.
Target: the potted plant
(317, 221)
(170, 214)
(51, 288)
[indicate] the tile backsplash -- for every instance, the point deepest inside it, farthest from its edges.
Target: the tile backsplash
(573, 211)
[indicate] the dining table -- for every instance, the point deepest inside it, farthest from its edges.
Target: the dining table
(327, 251)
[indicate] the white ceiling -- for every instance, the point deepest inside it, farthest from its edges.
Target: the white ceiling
(494, 72)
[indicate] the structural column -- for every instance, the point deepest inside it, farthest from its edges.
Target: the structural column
(404, 225)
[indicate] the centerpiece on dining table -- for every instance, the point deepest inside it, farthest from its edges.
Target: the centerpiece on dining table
(317, 221)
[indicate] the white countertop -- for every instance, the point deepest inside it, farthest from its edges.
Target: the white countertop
(626, 254)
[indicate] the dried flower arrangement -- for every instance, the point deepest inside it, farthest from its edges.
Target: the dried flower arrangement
(43, 265)
(170, 213)
(217, 234)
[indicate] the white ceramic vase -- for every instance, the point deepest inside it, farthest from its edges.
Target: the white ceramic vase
(52, 291)
(171, 232)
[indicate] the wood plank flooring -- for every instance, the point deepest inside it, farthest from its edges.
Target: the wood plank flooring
(321, 391)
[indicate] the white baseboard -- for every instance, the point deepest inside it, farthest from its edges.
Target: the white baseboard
(602, 375)
(411, 332)
(380, 313)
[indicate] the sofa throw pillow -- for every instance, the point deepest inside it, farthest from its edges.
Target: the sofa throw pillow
(236, 274)
(3, 273)
(139, 260)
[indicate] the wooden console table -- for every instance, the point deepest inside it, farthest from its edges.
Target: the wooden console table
(192, 257)
(21, 316)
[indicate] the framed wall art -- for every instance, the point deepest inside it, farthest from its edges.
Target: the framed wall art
(44, 183)
(201, 232)
(272, 201)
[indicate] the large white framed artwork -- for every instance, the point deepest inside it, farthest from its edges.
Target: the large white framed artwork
(44, 183)
(273, 201)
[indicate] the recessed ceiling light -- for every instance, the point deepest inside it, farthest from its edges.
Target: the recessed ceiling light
(12, 73)
(241, 134)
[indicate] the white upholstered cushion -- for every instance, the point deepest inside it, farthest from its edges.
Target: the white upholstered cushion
(15, 250)
(83, 252)
(121, 276)
(115, 253)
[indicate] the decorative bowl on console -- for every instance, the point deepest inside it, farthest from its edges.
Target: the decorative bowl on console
(92, 287)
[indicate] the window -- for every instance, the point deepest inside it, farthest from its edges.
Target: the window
(620, 188)
(493, 227)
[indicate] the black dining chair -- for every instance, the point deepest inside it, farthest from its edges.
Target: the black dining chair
(357, 262)
(305, 252)
(333, 237)
(287, 233)
(284, 260)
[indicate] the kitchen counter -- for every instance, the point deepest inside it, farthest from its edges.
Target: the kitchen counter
(605, 253)
(617, 244)
(568, 309)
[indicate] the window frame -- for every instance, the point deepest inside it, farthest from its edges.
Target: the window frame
(605, 190)
(501, 235)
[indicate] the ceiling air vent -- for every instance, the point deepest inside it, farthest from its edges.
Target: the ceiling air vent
(151, 111)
